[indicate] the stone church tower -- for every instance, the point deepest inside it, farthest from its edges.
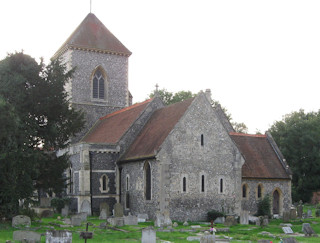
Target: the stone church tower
(100, 82)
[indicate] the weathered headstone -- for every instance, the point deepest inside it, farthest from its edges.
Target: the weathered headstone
(175, 224)
(244, 217)
(65, 211)
(300, 210)
(46, 214)
(307, 230)
(289, 240)
(85, 207)
(167, 220)
(258, 221)
(208, 238)
(117, 222)
(131, 220)
(76, 220)
(265, 221)
(104, 210)
(29, 236)
(58, 236)
(103, 214)
(83, 216)
(219, 220)
(45, 202)
(287, 230)
(148, 235)
(159, 222)
(21, 220)
(142, 217)
(293, 213)
(286, 216)
(230, 220)
(309, 214)
(118, 210)
(185, 223)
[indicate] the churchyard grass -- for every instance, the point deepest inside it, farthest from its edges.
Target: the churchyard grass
(239, 233)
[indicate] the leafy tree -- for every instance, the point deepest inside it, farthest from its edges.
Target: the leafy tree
(169, 98)
(298, 137)
(35, 121)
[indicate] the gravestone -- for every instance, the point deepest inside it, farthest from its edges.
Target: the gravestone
(148, 235)
(293, 213)
(208, 238)
(142, 217)
(289, 240)
(65, 211)
(287, 230)
(159, 222)
(300, 209)
(167, 220)
(286, 216)
(58, 236)
(244, 217)
(76, 220)
(258, 222)
(117, 222)
(46, 214)
(219, 220)
(265, 221)
(85, 207)
(175, 224)
(83, 216)
(131, 220)
(118, 210)
(103, 214)
(29, 236)
(307, 230)
(230, 221)
(21, 220)
(309, 214)
(45, 202)
(185, 223)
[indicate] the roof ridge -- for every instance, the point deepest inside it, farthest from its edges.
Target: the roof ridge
(125, 109)
(248, 135)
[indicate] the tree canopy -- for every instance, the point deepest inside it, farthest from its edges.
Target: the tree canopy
(298, 137)
(35, 121)
(169, 98)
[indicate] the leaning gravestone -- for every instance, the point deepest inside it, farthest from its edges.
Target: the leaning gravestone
(118, 210)
(21, 220)
(289, 240)
(307, 230)
(293, 213)
(148, 235)
(58, 236)
(26, 236)
(287, 230)
(309, 214)
(244, 217)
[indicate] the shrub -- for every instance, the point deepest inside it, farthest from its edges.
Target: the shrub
(58, 203)
(318, 213)
(28, 212)
(213, 215)
(264, 207)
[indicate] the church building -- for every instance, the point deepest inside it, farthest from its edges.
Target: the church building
(181, 160)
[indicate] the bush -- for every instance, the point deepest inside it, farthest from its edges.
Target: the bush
(318, 213)
(28, 212)
(213, 215)
(58, 203)
(264, 207)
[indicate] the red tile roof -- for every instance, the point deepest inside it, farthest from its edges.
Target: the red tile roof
(110, 128)
(92, 35)
(261, 161)
(156, 130)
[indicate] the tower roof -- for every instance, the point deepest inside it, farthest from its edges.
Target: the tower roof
(92, 35)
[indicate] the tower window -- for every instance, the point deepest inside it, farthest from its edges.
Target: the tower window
(202, 183)
(259, 191)
(221, 185)
(202, 140)
(147, 183)
(184, 184)
(244, 191)
(104, 183)
(98, 85)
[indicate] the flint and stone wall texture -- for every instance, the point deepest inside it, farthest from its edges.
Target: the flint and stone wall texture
(268, 187)
(182, 155)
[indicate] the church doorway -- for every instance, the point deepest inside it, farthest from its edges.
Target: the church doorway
(276, 202)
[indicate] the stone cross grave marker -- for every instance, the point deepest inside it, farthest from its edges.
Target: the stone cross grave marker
(86, 235)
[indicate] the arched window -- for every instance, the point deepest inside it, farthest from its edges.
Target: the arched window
(147, 183)
(259, 191)
(104, 183)
(98, 85)
(221, 185)
(202, 183)
(70, 180)
(184, 184)
(202, 140)
(244, 190)
(127, 183)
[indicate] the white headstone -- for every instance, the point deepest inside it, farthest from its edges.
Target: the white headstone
(148, 235)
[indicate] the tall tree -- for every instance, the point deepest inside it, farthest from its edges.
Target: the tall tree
(35, 121)
(298, 137)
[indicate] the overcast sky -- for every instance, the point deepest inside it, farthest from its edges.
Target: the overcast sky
(260, 59)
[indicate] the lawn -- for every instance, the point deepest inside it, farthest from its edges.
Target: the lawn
(238, 233)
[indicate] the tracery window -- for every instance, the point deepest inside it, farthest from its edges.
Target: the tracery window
(98, 85)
